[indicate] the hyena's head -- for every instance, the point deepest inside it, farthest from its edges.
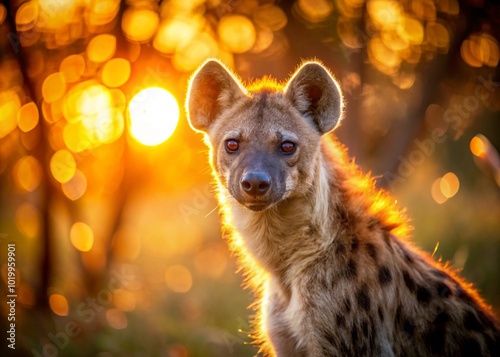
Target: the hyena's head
(264, 142)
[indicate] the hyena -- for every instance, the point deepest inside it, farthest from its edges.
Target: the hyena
(326, 252)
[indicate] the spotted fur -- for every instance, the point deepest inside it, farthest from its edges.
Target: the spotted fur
(326, 253)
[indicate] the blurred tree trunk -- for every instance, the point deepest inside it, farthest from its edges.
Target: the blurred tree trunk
(402, 135)
(40, 152)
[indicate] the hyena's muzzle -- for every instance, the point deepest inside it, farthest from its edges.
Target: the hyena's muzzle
(257, 181)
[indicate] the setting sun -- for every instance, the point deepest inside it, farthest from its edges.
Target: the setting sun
(153, 116)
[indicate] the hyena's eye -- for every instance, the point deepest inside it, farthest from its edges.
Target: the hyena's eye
(287, 147)
(232, 145)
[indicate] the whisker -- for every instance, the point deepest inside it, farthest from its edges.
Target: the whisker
(212, 211)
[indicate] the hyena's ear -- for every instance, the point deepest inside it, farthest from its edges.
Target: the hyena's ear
(212, 89)
(316, 95)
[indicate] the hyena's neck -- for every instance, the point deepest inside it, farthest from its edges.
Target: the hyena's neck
(297, 230)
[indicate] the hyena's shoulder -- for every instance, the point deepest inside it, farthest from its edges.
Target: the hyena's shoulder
(379, 278)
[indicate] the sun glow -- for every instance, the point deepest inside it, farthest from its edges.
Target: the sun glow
(153, 116)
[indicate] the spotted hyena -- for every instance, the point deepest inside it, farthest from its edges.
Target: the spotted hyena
(326, 252)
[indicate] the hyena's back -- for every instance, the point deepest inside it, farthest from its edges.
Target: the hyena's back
(338, 280)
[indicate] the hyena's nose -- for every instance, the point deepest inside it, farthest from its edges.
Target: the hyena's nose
(255, 183)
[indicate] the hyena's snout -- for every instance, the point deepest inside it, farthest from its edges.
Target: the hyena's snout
(255, 183)
(257, 187)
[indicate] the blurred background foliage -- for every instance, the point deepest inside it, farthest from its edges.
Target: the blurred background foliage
(106, 191)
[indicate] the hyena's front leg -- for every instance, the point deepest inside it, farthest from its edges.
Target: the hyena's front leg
(319, 323)
(278, 330)
(283, 342)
